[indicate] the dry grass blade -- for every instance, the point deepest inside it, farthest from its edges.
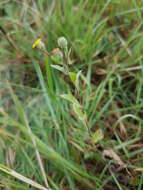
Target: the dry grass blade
(133, 68)
(123, 43)
(21, 177)
(38, 156)
(24, 9)
(139, 169)
(121, 124)
(111, 154)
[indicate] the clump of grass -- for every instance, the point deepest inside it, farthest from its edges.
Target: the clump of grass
(71, 113)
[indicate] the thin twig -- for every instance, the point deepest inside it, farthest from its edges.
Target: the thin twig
(123, 43)
(8, 38)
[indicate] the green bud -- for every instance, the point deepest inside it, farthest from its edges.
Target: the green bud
(62, 43)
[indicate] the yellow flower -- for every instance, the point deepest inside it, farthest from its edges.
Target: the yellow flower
(36, 43)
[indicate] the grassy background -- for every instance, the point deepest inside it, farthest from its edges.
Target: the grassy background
(106, 38)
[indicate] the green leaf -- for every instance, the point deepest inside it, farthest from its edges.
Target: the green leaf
(56, 60)
(59, 68)
(49, 75)
(70, 98)
(97, 136)
(78, 75)
(81, 116)
(44, 89)
(72, 76)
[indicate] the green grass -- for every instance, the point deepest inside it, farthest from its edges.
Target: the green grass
(47, 141)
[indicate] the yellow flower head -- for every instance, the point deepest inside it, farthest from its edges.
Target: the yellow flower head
(36, 43)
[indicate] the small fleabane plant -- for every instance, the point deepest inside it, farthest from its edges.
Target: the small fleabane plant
(60, 57)
(61, 61)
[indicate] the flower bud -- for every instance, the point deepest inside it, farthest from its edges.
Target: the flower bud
(62, 43)
(57, 56)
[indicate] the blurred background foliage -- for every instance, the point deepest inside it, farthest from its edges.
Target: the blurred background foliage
(106, 41)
